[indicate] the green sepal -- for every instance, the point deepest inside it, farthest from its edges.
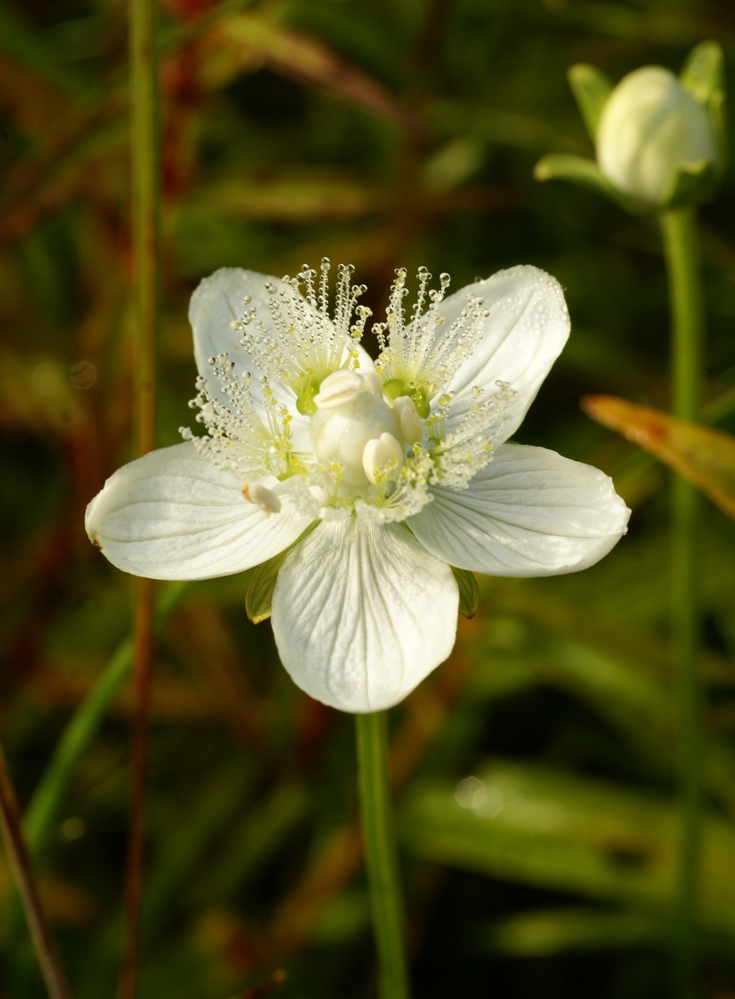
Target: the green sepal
(586, 173)
(591, 88)
(469, 591)
(703, 73)
(693, 183)
(259, 594)
(703, 76)
(716, 109)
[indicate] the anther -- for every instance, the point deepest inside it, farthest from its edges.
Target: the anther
(382, 458)
(342, 386)
(409, 421)
(265, 499)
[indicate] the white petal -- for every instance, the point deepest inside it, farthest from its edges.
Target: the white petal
(172, 514)
(530, 512)
(361, 618)
(220, 299)
(525, 332)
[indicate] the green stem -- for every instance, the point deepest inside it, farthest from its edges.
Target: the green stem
(687, 314)
(380, 854)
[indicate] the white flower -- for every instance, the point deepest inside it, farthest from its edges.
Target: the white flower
(398, 466)
(651, 127)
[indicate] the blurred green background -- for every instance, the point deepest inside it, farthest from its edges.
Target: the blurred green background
(535, 769)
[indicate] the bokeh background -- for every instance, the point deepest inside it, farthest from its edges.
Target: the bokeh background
(535, 770)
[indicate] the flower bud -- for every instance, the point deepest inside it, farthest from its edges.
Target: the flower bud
(651, 128)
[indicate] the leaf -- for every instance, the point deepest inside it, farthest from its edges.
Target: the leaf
(556, 931)
(544, 827)
(591, 89)
(469, 592)
(25, 44)
(301, 197)
(700, 454)
(49, 178)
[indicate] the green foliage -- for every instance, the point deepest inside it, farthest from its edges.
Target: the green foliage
(591, 89)
(380, 135)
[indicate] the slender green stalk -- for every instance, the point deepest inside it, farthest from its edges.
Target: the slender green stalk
(687, 312)
(143, 120)
(380, 854)
(19, 862)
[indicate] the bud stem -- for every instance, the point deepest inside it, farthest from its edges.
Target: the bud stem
(687, 333)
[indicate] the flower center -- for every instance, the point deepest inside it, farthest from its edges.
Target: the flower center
(355, 427)
(380, 434)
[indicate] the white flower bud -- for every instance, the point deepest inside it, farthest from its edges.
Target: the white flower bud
(650, 128)
(382, 458)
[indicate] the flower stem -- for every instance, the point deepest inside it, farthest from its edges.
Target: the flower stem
(687, 315)
(380, 854)
(19, 862)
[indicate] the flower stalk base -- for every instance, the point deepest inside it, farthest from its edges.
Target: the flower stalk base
(380, 854)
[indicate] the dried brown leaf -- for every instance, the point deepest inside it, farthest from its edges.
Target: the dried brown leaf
(700, 454)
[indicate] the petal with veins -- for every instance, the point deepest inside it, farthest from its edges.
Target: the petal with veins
(172, 514)
(361, 618)
(524, 333)
(529, 512)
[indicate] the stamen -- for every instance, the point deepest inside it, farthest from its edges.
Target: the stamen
(412, 429)
(413, 357)
(367, 462)
(382, 457)
(261, 497)
(460, 454)
(301, 344)
(240, 437)
(341, 387)
(403, 498)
